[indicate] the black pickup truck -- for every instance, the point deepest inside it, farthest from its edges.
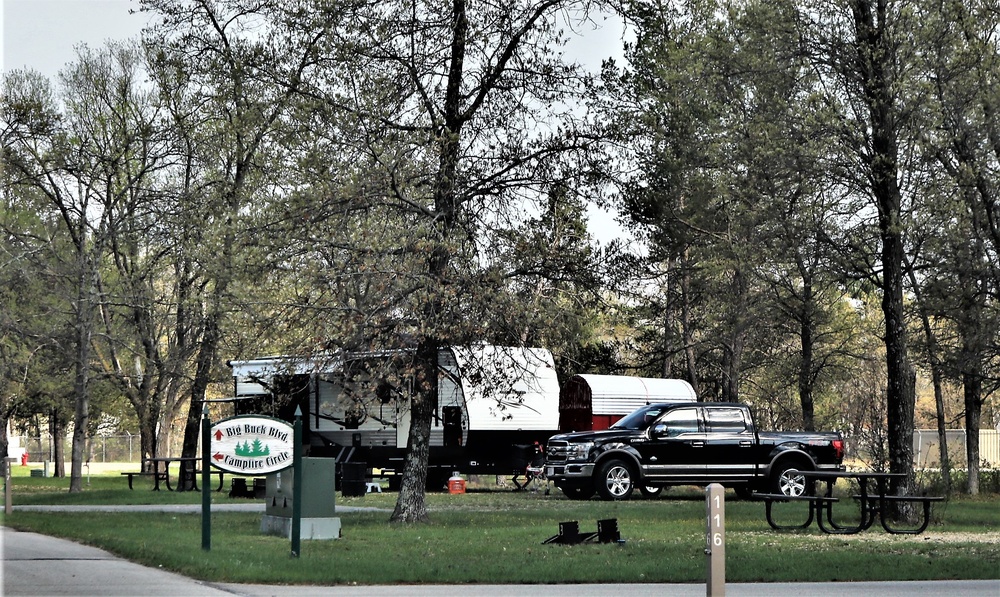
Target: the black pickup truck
(689, 443)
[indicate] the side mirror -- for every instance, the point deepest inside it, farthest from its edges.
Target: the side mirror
(659, 430)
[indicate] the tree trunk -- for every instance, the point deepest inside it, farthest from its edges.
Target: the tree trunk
(732, 357)
(203, 376)
(875, 62)
(81, 382)
(147, 434)
(687, 329)
(942, 430)
(933, 356)
(806, 364)
(57, 435)
(971, 322)
(410, 505)
(973, 413)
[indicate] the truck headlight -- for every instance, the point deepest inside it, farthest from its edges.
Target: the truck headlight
(579, 451)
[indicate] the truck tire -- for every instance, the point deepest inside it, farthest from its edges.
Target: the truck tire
(649, 491)
(578, 493)
(615, 480)
(793, 484)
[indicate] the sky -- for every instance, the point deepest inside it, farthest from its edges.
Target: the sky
(42, 34)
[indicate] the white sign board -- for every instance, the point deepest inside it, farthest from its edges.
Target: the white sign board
(252, 445)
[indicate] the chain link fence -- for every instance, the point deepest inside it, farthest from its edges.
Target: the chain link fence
(111, 448)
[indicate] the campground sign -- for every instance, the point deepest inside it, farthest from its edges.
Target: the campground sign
(252, 445)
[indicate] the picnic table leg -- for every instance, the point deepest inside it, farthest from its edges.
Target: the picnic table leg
(914, 531)
(838, 529)
(779, 527)
(518, 486)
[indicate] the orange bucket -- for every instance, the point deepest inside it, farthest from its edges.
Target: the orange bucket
(456, 484)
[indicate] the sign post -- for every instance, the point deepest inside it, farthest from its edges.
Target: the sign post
(297, 483)
(715, 550)
(8, 507)
(206, 479)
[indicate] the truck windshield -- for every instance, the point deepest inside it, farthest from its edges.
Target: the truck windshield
(640, 419)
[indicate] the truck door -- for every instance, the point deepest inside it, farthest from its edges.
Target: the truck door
(730, 447)
(675, 450)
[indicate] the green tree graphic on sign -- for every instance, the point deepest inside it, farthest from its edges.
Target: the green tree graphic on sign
(257, 449)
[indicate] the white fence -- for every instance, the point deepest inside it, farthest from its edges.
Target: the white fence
(927, 450)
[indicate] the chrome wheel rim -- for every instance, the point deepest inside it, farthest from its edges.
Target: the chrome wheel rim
(792, 483)
(619, 481)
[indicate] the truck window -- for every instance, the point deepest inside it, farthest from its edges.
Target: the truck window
(681, 420)
(725, 420)
(639, 419)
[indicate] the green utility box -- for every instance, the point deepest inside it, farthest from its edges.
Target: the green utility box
(318, 516)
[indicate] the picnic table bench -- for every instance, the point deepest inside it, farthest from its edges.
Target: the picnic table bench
(159, 476)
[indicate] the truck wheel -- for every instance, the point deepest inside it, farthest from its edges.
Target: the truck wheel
(578, 493)
(787, 480)
(650, 492)
(615, 480)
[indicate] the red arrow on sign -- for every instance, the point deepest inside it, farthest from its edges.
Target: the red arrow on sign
(218, 456)
(218, 434)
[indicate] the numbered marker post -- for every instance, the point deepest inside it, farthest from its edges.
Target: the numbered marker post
(715, 537)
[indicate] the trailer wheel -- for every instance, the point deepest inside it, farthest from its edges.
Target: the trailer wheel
(615, 480)
(436, 481)
(578, 493)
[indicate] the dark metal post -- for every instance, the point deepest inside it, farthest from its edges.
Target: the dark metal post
(206, 479)
(297, 484)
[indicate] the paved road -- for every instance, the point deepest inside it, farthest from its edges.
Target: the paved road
(36, 564)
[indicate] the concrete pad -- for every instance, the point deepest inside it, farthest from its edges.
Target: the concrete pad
(40, 565)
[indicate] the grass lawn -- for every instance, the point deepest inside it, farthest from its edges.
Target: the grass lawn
(496, 537)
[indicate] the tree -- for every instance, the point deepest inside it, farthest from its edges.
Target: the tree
(961, 144)
(227, 52)
(707, 109)
(68, 163)
(458, 110)
(860, 48)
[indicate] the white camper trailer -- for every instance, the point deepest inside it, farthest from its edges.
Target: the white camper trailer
(493, 402)
(594, 402)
